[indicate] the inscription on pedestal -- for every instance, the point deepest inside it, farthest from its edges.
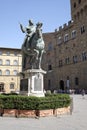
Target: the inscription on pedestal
(37, 84)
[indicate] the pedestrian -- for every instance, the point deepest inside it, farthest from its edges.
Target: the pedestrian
(83, 93)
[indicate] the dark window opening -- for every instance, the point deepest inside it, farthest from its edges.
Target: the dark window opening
(76, 81)
(67, 60)
(75, 59)
(1, 87)
(79, 1)
(49, 67)
(60, 63)
(82, 29)
(74, 5)
(84, 56)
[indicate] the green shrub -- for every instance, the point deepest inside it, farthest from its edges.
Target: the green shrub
(51, 101)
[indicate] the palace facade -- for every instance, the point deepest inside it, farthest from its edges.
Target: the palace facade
(10, 66)
(66, 51)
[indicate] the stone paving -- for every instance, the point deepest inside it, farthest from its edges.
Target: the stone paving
(76, 121)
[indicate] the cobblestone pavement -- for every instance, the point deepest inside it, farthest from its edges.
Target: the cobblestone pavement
(76, 121)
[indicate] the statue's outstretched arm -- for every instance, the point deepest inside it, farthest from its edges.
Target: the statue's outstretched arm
(22, 29)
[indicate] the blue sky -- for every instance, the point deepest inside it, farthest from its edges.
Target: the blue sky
(52, 13)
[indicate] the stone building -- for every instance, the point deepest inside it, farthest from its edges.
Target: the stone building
(66, 57)
(10, 66)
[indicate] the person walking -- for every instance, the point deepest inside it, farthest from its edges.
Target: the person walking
(83, 93)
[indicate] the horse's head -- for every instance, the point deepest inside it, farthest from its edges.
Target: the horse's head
(39, 30)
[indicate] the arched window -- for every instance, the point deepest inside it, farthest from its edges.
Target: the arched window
(0, 61)
(50, 46)
(0, 72)
(15, 62)
(15, 72)
(7, 72)
(7, 62)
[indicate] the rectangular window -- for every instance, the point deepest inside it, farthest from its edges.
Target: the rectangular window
(50, 47)
(73, 34)
(15, 53)
(75, 60)
(82, 29)
(84, 56)
(67, 60)
(76, 81)
(0, 52)
(59, 40)
(60, 63)
(8, 53)
(11, 86)
(1, 87)
(49, 67)
(66, 37)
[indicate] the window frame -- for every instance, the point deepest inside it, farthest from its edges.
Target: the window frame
(8, 53)
(12, 85)
(1, 61)
(15, 62)
(59, 40)
(7, 72)
(73, 34)
(0, 72)
(66, 37)
(7, 62)
(15, 72)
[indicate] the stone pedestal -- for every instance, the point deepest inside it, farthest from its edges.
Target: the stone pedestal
(33, 84)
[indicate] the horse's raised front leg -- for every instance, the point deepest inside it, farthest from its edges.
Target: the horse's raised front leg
(37, 54)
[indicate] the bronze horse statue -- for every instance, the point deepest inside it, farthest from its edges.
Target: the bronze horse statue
(33, 46)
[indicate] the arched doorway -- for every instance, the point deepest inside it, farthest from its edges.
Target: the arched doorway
(61, 84)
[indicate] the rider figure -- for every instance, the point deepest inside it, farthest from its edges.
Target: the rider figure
(29, 31)
(33, 46)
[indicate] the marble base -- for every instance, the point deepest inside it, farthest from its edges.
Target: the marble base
(35, 82)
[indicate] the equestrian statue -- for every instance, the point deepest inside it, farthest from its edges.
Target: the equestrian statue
(33, 46)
